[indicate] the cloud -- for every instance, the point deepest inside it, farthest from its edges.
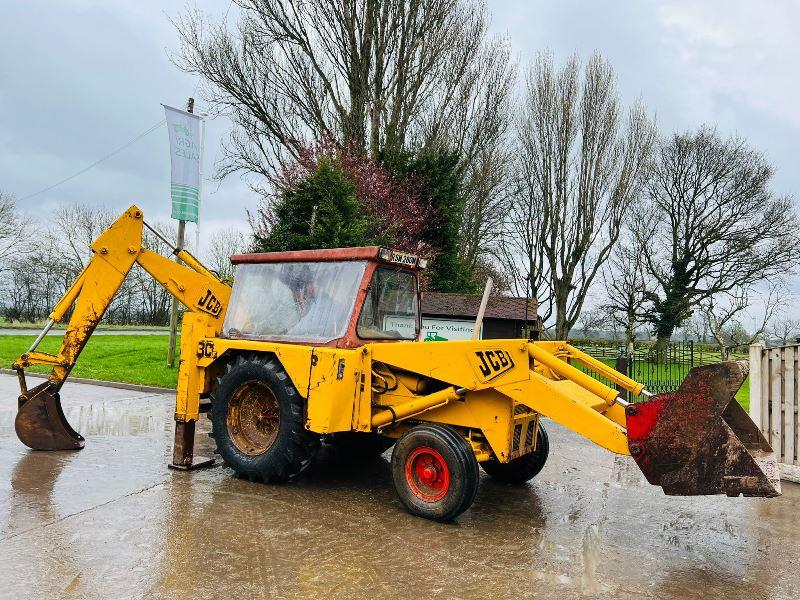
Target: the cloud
(86, 77)
(741, 50)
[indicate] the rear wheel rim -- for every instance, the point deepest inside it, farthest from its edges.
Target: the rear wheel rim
(253, 418)
(427, 474)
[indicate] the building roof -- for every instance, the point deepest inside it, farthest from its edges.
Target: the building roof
(467, 305)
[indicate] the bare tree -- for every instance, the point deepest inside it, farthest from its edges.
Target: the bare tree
(15, 232)
(695, 328)
(77, 226)
(714, 227)
(626, 286)
(221, 246)
(785, 331)
(591, 320)
(481, 132)
(35, 281)
(723, 313)
(581, 164)
(371, 74)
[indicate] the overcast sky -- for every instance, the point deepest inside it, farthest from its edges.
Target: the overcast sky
(79, 78)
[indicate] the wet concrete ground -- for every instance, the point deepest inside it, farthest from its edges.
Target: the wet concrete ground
(111, 521)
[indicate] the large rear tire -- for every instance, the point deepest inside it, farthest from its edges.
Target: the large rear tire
(435, 472)
(258, 421)
(524, 468)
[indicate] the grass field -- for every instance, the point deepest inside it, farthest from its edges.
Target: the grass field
(140, 359)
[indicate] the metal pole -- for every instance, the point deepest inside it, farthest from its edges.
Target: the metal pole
(173, 313)
(200, 184)
(527, 301)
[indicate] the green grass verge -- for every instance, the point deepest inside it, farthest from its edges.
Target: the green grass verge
(140, 359)
(743, 396)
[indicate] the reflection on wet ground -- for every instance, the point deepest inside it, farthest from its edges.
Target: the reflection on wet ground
(111, 521)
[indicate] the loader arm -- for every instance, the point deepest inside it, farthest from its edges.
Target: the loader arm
(696, 440)
(114, 253)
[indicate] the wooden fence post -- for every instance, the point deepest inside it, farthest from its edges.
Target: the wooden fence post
(755, 384)
(775, 398)
(789, 404)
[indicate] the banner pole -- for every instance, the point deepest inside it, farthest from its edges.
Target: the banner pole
(173, 313)
(200, 183)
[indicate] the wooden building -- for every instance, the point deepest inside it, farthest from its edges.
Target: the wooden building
(451, 317)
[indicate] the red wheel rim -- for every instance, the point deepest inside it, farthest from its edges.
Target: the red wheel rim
(427, 474)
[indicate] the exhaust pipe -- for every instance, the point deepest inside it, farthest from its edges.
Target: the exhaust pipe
(700, 441)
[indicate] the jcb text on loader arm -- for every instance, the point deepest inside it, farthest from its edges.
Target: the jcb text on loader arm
(322, 346)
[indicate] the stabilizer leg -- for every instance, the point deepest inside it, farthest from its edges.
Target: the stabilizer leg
(183, 458)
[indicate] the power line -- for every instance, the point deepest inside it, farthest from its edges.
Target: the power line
(98, 161)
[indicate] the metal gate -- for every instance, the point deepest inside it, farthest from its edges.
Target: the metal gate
(659, 372)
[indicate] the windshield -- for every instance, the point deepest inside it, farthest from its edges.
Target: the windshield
(390, 309)
(293, 301)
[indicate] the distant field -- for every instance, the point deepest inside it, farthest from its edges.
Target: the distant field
(140, 359)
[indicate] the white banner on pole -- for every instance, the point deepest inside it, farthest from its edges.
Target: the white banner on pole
(185, 150)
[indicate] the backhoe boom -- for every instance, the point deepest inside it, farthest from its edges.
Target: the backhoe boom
(114, 253)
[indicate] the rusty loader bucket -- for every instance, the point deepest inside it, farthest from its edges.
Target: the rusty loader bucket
(700, 441)
(40, 422)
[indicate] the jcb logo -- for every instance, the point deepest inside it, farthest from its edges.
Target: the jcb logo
(205, 349)
(491, 363)
(209, 303)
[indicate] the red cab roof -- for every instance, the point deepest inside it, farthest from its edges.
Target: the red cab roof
(374, 253)
(326, 255)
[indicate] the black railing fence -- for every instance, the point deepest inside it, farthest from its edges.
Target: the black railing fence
(659, 371)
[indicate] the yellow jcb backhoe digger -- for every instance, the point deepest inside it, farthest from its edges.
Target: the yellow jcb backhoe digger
(324, 344)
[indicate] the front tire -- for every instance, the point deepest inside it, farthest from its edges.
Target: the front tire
(258, 421)
(522, 469)
(435, 472)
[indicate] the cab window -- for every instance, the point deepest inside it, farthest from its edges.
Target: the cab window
(293, 301)
(390, 310)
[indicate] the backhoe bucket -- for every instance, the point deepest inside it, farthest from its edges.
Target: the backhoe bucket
(41, 424)
(700, 441)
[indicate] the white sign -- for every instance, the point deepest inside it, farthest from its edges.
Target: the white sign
(184, 151)
(433, 330)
